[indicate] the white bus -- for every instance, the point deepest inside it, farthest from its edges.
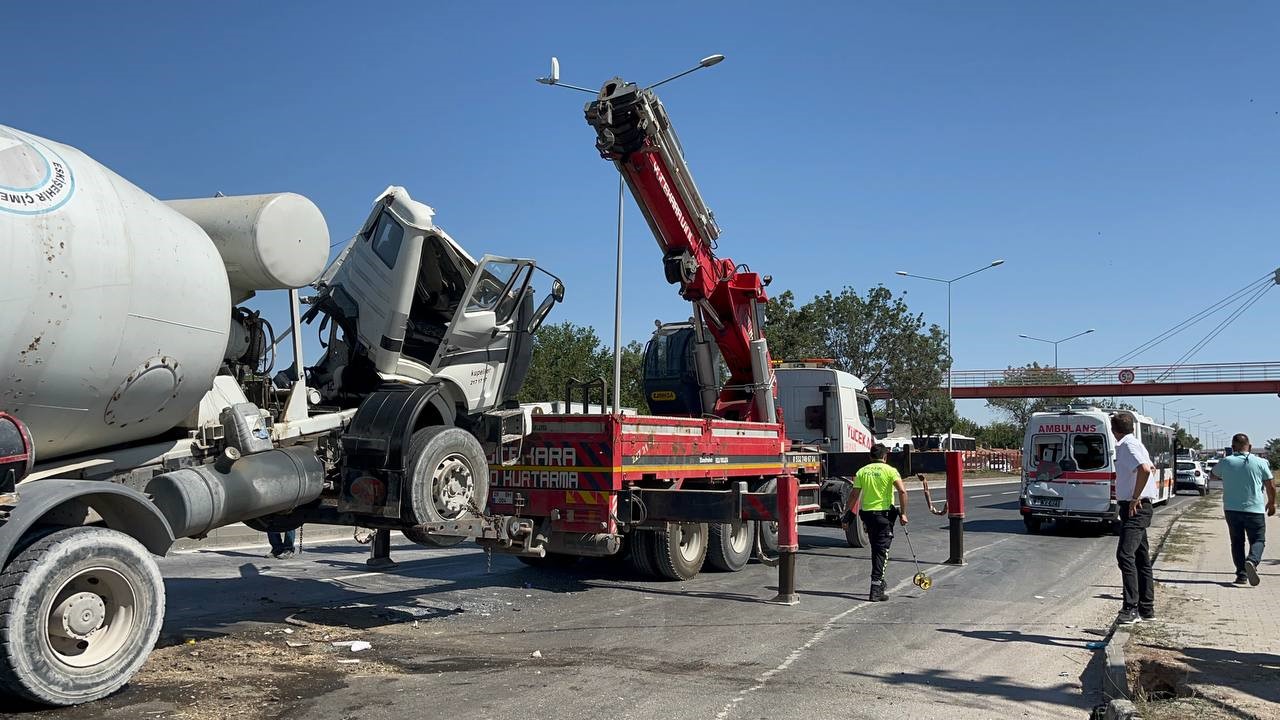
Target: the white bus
(1069, 465)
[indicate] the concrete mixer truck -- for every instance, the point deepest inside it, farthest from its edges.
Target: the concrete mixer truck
(141, 400)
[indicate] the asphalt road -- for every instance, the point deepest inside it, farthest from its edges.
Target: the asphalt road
(455, 634)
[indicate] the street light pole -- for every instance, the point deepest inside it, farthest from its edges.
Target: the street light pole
(950, 356)
(554, 79)
(1056, 343)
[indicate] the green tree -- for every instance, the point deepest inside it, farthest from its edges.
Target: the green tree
(1273, 453)
(932, 414)
(874, 336)
(1019, 410)
(565, 350)
(560, 352)
(633, 377)
(1185, 439)
(1003, 435)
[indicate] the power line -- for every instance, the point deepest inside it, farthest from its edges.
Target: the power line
(1261, 284)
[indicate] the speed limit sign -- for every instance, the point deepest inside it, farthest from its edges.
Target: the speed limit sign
(1126, 376)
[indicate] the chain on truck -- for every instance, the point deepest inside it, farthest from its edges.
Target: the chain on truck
(140, 399)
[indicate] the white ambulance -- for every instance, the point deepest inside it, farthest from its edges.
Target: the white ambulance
(1068, 468)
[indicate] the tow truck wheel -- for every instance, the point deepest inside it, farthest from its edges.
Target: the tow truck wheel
(80, 610)
(448, 475)
(1032, 523)
(639, 552)
(730, 545)
(856, 533)
(768, 529)
(679, 549)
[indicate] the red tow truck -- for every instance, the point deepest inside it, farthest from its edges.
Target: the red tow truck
(672, 492)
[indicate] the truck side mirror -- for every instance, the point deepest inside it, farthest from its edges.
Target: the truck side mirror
(885, 426)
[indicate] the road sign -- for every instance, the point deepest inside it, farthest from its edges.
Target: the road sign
(1126, 376)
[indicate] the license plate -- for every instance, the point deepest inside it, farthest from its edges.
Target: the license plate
(1052, 502)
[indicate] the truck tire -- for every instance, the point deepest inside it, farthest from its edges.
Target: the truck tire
(1031, 523)
(679, 550)
(768, 529)
(639, 552)
(448, 475)
(856, 533)
(729, 545)
(80, 610)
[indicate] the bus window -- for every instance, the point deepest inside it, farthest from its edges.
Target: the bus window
(1046, 448)
(1089, 451)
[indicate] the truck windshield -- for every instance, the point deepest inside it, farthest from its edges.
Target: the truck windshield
(1183, 465)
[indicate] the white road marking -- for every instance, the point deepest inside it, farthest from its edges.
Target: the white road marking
(1011, 492)
(975, 497)
(764, 677)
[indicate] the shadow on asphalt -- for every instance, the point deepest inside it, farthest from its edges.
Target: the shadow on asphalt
(981, 689)
(328, 602)
(1176, 581)
(1008, 636)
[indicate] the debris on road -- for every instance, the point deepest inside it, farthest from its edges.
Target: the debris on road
(355, 645)
(536, 654)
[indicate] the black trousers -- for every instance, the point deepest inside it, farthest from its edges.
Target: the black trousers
(1253, 525)
(1133, 557)
(879, 526)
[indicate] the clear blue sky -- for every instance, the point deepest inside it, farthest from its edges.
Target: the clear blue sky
(1122, 158)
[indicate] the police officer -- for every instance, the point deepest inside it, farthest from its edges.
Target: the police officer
(874, 485)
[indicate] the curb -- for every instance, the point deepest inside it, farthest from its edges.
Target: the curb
(1115, 690)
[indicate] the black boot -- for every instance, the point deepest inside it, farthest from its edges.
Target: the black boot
(877, 593)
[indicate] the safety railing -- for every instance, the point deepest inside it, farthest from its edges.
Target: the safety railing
(1137, 374)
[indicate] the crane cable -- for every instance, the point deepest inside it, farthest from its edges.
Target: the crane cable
(1256, 286)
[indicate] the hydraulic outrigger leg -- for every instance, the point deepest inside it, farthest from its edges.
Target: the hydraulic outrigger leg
(788, 540)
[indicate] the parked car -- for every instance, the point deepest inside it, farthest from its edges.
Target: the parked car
(1191, 475)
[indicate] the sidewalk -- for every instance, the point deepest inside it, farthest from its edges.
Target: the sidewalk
(1214, 651)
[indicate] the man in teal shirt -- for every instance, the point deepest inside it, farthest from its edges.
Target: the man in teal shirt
(873, 487)
(1244, 476)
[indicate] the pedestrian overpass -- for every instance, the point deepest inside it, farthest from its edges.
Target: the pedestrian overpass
(1261, 378)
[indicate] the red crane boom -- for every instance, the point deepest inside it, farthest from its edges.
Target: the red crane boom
(634, 132)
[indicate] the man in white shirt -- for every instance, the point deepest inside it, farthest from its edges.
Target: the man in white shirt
(1135, 489)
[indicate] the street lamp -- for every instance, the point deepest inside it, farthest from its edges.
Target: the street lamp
(1164, 412)
(950, 358)
(554, 79)
(1056, 343)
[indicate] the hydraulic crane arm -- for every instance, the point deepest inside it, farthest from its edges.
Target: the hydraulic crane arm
(633, 131)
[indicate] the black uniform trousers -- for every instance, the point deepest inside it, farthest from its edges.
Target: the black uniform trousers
(879, 526)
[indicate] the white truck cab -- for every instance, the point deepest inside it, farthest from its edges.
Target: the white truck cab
(827, 408)
(419, 309)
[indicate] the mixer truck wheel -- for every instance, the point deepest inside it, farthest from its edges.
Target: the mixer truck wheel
(730, 545)
(679, 549)
(448, 475)
(80, 610)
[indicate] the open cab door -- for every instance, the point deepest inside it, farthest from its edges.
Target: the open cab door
(489, 343)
